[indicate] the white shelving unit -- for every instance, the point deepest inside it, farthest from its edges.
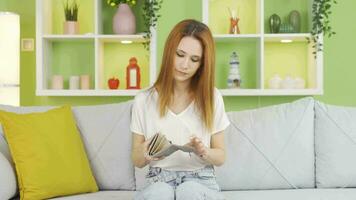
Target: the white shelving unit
(314, 65)
(96, 39)
(47, 38)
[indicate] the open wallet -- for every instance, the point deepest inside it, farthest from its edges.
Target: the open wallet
(159, 146)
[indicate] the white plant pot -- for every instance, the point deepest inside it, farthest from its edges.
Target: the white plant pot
(70, 27)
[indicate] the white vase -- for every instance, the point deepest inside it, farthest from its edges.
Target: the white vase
(124, 21)
(275, 82)
(299, 83)
(288, 83)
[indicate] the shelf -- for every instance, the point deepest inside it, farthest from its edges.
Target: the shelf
(224, 92)
(291, 59)
(291, 37)
(67, 37)
(218, 18)
(263, 54)
(270, 92)
(87, 92)
(62, 57)
(273, 7)
(114, 58)
(138, 38)
(248, 50)
(106, 13)
(231, 37)
(95, 51)
(52, 16)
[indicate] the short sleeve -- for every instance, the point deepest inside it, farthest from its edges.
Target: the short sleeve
(221, 121)
(137, 116)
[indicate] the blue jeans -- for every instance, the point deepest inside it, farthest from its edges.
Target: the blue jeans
(180, 185)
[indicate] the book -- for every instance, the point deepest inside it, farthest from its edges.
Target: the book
(159, 146)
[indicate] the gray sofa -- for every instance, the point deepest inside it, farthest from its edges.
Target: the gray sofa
(299, 150)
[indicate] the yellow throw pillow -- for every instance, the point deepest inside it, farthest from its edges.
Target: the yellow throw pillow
(48, 153)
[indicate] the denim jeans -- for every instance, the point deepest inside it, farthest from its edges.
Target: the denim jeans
(180, 185)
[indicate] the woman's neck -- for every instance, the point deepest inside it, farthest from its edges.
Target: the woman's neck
(181, 88)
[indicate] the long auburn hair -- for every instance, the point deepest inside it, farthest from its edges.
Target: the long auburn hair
(202, 83)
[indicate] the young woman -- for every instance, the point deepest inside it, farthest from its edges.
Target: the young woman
(184, 105)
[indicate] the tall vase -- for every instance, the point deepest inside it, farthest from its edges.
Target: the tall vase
(294, 20)
(124, 21)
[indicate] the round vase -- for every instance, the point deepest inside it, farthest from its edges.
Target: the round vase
(124, 21)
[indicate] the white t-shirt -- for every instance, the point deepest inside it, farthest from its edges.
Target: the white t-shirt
(178, 128)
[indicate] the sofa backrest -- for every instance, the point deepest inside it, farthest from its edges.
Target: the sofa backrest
(335, 146)
(267, 148)
(270, 148)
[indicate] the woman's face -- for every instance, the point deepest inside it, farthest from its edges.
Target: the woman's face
(187, 59)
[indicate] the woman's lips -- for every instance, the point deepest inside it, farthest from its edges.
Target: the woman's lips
(181, 73)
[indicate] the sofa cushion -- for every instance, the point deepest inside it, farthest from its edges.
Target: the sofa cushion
(140, 177)
(7, 179)
(102, 195)
(48, 153)
(299, 194)
(270, 148)
(106, 134)
(335, 145)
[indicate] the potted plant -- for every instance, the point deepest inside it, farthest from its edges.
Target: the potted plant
(321, 22)
(71, 25)
(149, 12)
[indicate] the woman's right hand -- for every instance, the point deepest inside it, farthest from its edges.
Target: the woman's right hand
(149, 158)
(139, 154)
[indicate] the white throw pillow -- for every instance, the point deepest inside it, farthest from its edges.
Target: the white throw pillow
(335, 146)
(7, 179)
(270, 148)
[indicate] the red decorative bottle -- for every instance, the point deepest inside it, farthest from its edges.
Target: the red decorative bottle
(133, 75)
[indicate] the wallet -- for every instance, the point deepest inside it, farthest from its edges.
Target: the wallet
(159, 146)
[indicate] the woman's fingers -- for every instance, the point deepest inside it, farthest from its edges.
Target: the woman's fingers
(198, 145)
(157, 159)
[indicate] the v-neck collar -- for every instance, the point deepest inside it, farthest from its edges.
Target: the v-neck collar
(183, 111)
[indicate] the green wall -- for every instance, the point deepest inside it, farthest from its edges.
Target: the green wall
(339, 66)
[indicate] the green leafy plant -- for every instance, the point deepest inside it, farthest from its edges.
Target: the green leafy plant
(321, 10)
(150, 15)
(71, 11)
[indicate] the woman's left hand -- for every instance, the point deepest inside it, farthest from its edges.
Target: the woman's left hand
(199, 148)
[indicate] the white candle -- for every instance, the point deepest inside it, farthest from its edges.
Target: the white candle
(57, 82)
(85, 82)
(74, 83)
